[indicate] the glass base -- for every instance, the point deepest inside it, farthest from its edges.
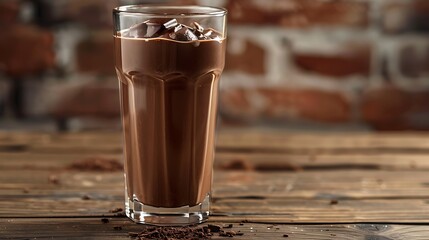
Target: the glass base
(185, 215)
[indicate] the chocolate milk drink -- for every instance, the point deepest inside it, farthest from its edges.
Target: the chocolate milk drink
(169, 75)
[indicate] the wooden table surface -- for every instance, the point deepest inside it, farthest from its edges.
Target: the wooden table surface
(308, 186)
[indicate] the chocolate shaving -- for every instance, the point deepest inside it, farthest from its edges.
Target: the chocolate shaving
(192, 233)
(116, 210)
(85, 197)
(54, 179)
(188, 232)
(214, 228)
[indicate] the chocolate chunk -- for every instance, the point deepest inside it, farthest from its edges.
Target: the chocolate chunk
(173, 30)
(239, 233)
(285, 235)
(214, 228)
(85, 197)
(145, 29)
(170, 24)
(172, 35)
(148, 29)
(210, 34)
(183, 33)
(198, 27)
(105, 220)
(190, 36)
(198, 31)
(333, 202)
(153, 29)
(137, 30)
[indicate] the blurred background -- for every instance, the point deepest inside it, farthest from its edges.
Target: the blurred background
(358, 65)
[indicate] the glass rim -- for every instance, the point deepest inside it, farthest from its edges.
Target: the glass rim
(151, 10)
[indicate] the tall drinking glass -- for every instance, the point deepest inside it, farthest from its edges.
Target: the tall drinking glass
(169, 60)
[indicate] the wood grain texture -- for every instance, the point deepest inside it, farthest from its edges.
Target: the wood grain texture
(229, 140)
(266, 178)
(92, 228)
(240, 161)
(372, 196)
(321, 161)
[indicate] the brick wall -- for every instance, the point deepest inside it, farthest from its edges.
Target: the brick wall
(306, 63)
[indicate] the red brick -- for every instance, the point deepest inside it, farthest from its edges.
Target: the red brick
(285, 104)
(26, 50)
(421, 15)
(403, 16)
(9, 11)
(91, 100)
(414, 63)
(236, 100)
(92, 13)
(353, 60)
(390, 108)
(395, 16)
(95, 54)
(299, 13)
(250, 60)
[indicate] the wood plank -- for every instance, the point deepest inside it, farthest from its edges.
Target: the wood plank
(284, 141)
(255, 210)
(92, 228)
(238, 161)
(350, 184)
(48, 161)
(315, 161)
(303, 197)
(293, 177)
(230, 140)
(321, 211)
